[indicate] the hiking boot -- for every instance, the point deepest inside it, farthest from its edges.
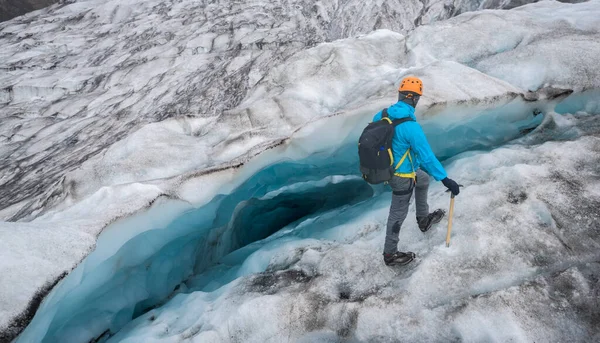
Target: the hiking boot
(434, 217)
(398, 258)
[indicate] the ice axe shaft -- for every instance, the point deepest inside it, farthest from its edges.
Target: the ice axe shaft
(450, 217)
(450, 220)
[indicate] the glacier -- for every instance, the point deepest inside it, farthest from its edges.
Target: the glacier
(252, 225)
(77, 65)
(511, 264)
(512, 246)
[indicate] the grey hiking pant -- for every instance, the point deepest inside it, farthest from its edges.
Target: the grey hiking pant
(403, 189)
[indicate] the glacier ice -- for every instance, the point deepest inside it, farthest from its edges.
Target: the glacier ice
(64, 81)
(517, 255)
(277, 143)
(142, 261)
(78, 65)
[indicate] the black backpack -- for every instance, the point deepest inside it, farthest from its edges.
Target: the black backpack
(375, 149)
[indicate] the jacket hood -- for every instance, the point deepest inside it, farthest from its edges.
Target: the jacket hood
(401, 110)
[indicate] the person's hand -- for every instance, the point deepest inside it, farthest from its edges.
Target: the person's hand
(452, 185)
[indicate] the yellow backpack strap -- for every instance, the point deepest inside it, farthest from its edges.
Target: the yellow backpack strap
(384, 116)
(413, 175)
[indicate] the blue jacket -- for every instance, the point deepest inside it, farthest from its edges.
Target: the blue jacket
(410, 135)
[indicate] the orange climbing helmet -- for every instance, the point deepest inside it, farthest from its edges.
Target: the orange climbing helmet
(411, 84)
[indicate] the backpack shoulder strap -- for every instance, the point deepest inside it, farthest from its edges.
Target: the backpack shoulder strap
(384, 116)
(400, 121)
(396, 122)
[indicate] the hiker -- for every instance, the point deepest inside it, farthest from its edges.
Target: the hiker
(412, 163)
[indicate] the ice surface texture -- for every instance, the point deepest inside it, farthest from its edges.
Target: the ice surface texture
(79, 76)
(525, 245)
(76, 78)
(293, 93)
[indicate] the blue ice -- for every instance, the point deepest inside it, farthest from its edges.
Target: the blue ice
(206, 248)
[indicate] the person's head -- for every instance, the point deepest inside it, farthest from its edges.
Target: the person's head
(410, 90)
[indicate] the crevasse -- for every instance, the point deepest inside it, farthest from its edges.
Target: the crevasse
(140, 262)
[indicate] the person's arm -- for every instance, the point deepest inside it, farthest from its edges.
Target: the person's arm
(377, 116)
(418, 144)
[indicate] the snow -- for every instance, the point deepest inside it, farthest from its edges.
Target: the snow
(141, 62)
(31, 253)
(540, 45)
(504, 240)
(145, 61)
(165, 175)
(508, 265)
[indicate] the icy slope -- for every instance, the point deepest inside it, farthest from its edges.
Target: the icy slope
(523, 266)
(547, 49)
(96, 71)
(525, 244)
(337, 85)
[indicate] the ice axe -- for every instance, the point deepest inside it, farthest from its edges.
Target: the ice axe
(450, 217)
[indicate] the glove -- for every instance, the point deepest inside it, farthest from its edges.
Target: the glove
(452, 185)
